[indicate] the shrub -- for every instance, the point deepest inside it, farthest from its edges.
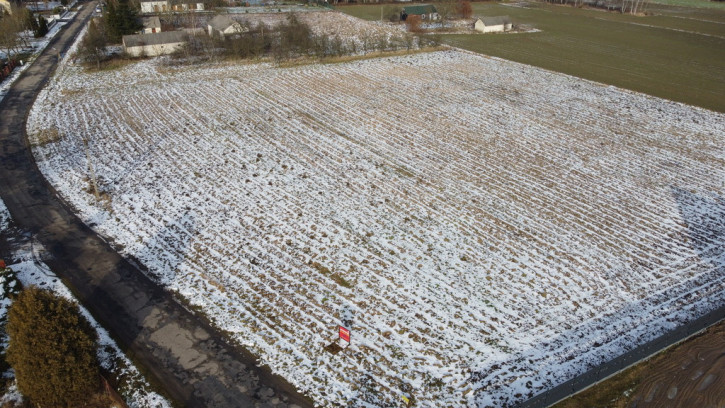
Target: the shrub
(52, 349)
(413, 23)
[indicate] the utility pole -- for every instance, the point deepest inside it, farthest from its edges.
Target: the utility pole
(90, 169)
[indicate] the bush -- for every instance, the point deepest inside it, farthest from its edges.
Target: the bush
(413, 23)
(52, 349)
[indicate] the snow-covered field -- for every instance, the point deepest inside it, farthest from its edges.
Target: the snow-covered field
(491, 229)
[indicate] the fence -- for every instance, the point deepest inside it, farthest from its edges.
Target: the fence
(627, 359)
(6, 69)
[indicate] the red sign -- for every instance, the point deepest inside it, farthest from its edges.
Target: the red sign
(344, 334)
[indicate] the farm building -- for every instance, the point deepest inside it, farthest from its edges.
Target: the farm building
(189, 5)
(493, 24)
(162, 6)
(425, 11)
(154, 6)
(151, 25)
(152, 45)
(223, 25)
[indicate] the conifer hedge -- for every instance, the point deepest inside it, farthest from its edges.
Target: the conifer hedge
(52, 349)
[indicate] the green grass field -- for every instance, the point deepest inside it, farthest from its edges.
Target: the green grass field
(693, 3)
(676, 53)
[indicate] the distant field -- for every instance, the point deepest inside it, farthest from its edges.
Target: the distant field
(693, 3)
(677, 54)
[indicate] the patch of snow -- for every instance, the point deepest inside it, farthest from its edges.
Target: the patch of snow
(4, 216)
(12, 396)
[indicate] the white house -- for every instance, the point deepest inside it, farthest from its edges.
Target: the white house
(187, 6)
(151, 25)
(223, 25)
(493, 24)
(154, 6)
(152, 45)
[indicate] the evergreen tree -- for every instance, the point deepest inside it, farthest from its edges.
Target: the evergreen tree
(42, 29)
(121, 19)
(52, 349)
(32, 22)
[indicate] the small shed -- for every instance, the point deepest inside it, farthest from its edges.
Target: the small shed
(151, 25)
(152, 45)
(493, 24)
(154, 6)
(223, 25)
(425, 11)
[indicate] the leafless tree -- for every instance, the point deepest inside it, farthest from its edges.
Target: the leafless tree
(93, 45)
(12, 27)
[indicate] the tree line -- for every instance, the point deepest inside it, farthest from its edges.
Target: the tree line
(293, 38)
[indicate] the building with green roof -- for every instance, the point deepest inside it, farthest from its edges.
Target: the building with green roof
(425, 11)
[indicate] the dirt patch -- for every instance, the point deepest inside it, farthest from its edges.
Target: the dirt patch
(691, 374)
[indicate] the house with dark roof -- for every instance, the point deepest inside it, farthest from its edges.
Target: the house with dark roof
(222, 25)
(493, 24)
(152, 45)
(151, 25)
(425, 11)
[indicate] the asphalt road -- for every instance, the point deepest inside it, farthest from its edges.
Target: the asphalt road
(175, 348)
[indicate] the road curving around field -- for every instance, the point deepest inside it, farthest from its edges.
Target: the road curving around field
(176, 349)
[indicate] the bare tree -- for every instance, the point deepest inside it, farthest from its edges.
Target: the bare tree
(11, 30)
(445, 9)
(93, 46)
(464, 9)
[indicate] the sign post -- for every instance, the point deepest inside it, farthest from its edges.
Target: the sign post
(344, 337)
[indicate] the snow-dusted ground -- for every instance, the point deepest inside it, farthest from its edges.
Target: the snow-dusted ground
(31, 270)
(491, 228)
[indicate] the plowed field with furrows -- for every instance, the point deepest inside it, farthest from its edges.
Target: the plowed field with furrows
(489, 228)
